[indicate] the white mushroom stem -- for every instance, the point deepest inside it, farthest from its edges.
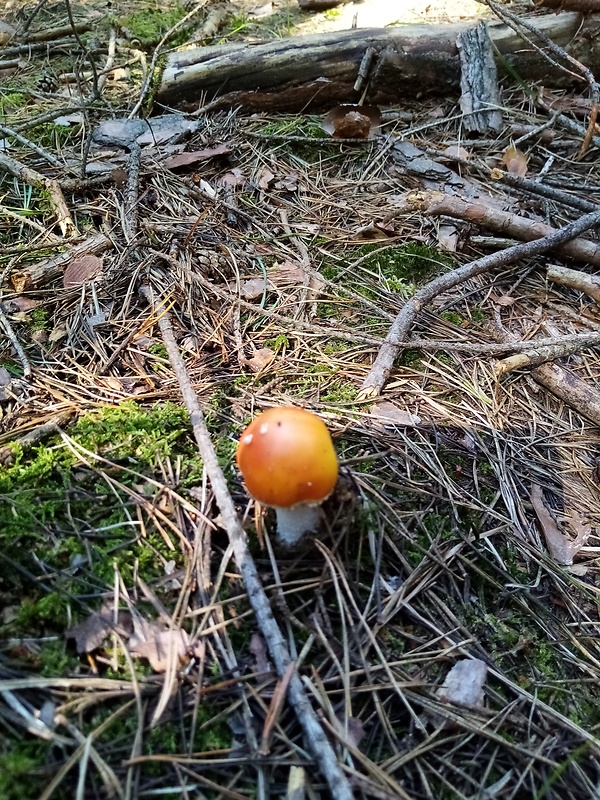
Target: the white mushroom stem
(295, 521)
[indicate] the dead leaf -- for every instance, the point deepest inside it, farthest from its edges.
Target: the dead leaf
(81, 270)
(21, 303)
(375, 230)
(252, 288)
(7, 32)
(387, 414)
(504, 300)
(288, 273)
(92, 632)
(259, 651)
(352, 121)
(289, 182)
(265, 179)
(456, 151)
(39, 337)
(260, 359)
(353, 727)
(234, 178)
(515, 161)
(561, 548)
(447, 238)
(158, 646)
(57, 334)
(196, 156)
(464, 684)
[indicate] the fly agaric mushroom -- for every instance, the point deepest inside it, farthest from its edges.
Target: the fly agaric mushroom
(287, 460)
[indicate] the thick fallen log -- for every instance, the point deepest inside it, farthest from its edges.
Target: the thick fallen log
(318, 70)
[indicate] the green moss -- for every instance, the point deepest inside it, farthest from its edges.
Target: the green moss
(295, 126)
(38, 320)
(18, 767)
(54, 137)
(149, 25)
(57, 660)
(405, 265)
(10, 101)
(340, 391)
(158, 349)
(453, 317)
(278, 344)
(57, 506)
(478, 314)
(410, 358)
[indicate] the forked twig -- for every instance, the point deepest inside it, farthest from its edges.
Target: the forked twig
(317, 742)
(396, 339)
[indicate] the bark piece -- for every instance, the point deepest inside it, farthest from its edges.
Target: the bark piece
(480, 96)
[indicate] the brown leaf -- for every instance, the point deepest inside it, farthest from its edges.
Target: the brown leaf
(39, 337)
(386, 414)
(196, 156)
(233, 178)
(252, 288)
(92, 632)
(81, 270)
(260, 359)
(504, 300)
(57, 334)
(265, 179)
(352, 121)
(289, 182)
(464, 684)
(375, 230)
(456, 151)
(21, 303)
(561, 548)
(515, 161)
(288, 273)
(354, 728)
(158, 646)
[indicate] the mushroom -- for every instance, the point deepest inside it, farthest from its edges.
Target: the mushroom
(287, 460)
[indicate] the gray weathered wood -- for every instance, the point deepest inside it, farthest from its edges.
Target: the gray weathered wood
(479, 93)
(410, 61)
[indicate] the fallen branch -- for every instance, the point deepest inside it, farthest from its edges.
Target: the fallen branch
(536, 355)
(551, 192)
(46, 271)
(39, 181)
(582, 281)
(503, 222)
(398, 333)
(323, 68)
(317, 742)
(562, 383)
(554, 55)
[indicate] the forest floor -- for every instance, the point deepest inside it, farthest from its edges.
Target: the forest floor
(444, 621)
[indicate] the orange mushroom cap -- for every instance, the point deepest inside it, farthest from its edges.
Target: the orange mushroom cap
(286, 457)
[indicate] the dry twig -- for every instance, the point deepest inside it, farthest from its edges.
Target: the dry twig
(379, 372)
(316, 740)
